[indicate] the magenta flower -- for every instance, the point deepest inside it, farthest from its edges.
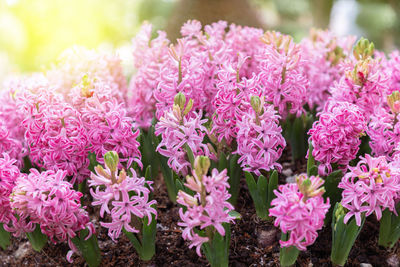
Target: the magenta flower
(178, 130)
(49, 201)
(336, 135)
(128, 197)
(370, 187)
(259, 138)
(208, 208)
(281, 74)
(76, 62)
(300, 210)
(323, 52)
(149, 55)
(9, 173)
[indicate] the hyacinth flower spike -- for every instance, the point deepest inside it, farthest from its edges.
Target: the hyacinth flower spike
(299, 210)
(126, 198)
(206, 213)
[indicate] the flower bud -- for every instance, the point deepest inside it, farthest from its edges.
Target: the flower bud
(111, 159)
(201, 165)
(256, 104)
(180, 100)
(188, 107)
(363, 49)
(393, 101)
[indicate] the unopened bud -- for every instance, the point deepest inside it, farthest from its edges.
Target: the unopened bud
(188, 107)
(111, 159)
(393, 101)
(201, 165)
(180, 100)
(363, 49)
(256, 104)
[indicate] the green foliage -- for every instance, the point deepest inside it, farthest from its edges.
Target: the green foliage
(262, 192)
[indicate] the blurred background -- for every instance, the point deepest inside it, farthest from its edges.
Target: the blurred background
(34, 33)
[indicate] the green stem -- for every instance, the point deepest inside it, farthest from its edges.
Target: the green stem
(4, 237)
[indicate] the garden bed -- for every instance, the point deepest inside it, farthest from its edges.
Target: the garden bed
(253, 242)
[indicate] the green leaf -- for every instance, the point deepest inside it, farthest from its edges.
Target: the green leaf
(272, 185)
(234, 173)
(222, 163)
(37, 239)
(149, 238)
(343, 236)
(310, 160)
(235, 214)
(93, 161)
(4, 237)
(262, 188)
(389, 229)
(190, 155)
(147, 174)
(332, 191)
(287, 255)
(89, 248)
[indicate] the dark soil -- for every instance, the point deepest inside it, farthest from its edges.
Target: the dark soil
(253, 242)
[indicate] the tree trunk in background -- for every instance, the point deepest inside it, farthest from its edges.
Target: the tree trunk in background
(321, 10)
(240, 12)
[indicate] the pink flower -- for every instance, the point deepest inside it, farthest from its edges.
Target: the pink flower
(49, 201)
(149, 55)
(76, 62)
(300, 210)
(178, 130)
(191, 28)
(128, 197)
(336, 135)
(281, 75)
(259, 139)
(370, 187)
(9, 173)
(209, 207)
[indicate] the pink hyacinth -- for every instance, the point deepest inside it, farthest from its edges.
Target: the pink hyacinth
(78, 61)
(47, 201)
(179, 129)
(370, 187)
(12, 147)
(300, 210)
(121, 196)
(259, 139)
(149, 55)
(106, 122)
(9, 173)
(209, 207)
(281, 74)
(323, 52)
(54, 133)
(336, 135)
(364, 84)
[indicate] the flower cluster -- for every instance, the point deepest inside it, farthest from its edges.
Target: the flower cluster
(324, 52)
(300, 210)
(105, 120)
(9, 173)
(209, 208)
(49, 201)
(181, 131)
(54, 133)
(370, 187)
(127, 195)
(259, 139)
(76, 62)
(281, 74)
(336, 135)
